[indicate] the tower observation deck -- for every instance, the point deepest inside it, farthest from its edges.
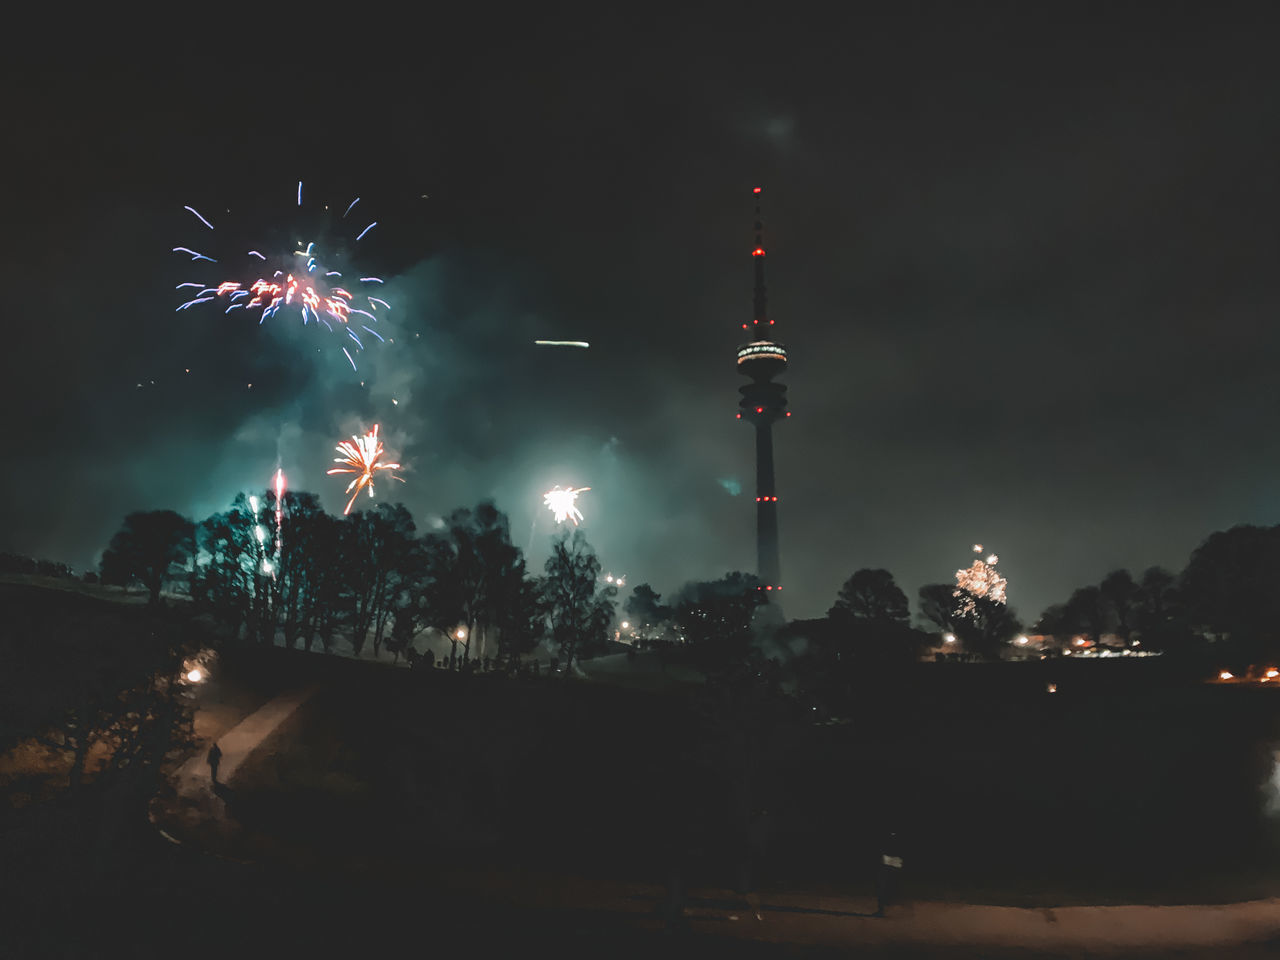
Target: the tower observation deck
(762, 358)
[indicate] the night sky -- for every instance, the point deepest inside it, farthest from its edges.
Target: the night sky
(1025, 263)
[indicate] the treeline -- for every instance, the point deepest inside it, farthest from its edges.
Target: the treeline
(12, 563)
(1225, 600)
(288, 571)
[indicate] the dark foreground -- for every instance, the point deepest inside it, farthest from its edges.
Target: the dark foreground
(67, 893)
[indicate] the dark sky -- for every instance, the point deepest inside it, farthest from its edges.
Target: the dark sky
(1024, 261)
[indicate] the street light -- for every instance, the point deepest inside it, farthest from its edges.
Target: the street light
(948, 638)
(195, 675)
(1021, 641)
(460, 633)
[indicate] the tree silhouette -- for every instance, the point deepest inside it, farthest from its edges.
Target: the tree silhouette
(579, 609)
(1229, 589)
(870, 620)
(147, 546)
(987, 626)
(481, 572)
(1123, 598)
(1087, 612)
(650, 618)
(223, 582)
(938, 605)
(715, 618)
(871, 595)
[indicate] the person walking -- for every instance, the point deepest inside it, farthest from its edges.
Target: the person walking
(214, 758)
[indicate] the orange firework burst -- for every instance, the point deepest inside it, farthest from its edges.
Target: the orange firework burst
(360, 456)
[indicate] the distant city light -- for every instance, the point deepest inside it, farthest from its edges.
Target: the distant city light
(1226, 675)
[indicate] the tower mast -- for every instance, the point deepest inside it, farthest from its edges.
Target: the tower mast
(762, 402)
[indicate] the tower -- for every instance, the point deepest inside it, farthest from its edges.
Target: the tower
(762, 358)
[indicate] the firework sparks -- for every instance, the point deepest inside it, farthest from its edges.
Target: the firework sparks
(279, 503)
(564, 503)
(361, 456)
(302, 283)
(980, 579)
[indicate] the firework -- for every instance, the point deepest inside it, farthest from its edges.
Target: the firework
(980, 579)
(563, 503)
(361, 456)
(561, 343)
(301, 281)
(279, 511)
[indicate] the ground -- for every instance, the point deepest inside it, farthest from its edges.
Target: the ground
(369, 804)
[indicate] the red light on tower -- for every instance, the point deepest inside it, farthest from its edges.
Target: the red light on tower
(758, 252)
(755, 189)
(759, 409)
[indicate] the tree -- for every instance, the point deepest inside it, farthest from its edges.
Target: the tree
(985, 626)
(1160, 621)
(1087, 612)
(520, 618)
(869, 621)
(938, 605)
(1055, 623)
(650, 617)
(578, 608)
(478, 573)
(871, 595)
(300, 563)
(223, 582)
(1229, 589)
(146, 547)
(715, 618)
(1123, 598)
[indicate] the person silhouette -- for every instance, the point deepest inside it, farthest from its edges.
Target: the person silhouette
(214, 758)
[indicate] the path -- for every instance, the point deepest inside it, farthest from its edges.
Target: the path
(198, 813)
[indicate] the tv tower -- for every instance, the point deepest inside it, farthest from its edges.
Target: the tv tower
(762, 358)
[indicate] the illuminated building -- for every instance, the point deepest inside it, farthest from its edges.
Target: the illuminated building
(762, 358)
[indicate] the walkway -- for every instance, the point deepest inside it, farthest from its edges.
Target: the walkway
(199, 813)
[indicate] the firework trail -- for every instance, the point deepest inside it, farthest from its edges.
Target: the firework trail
(360, 455)
(563, 503)
(279, 511)
(301, 282)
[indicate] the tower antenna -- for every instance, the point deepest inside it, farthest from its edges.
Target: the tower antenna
(763, 401)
